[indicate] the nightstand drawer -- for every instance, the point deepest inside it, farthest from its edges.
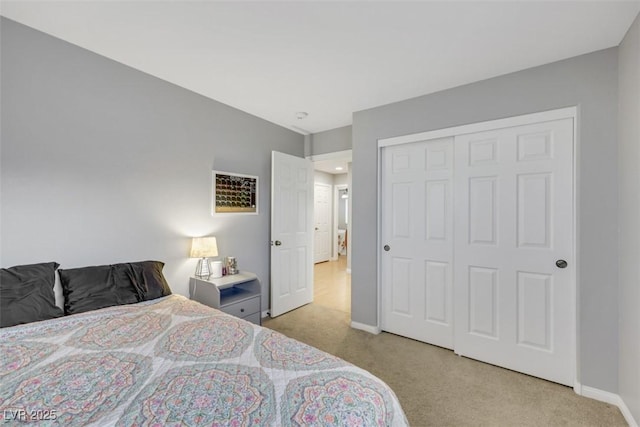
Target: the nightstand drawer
(243, 308)
(254, 318)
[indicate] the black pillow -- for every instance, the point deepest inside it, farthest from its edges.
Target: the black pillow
(26, 294)
(154, 285)
(129, 283)
(91, 288)
(88, 288)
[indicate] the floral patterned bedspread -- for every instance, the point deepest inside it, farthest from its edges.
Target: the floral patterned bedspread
(173, 361)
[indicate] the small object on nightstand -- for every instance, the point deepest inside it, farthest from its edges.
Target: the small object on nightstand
(238, 294)
(232, 265)
(216, 269)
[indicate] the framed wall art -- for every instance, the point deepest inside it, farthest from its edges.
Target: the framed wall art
(234, 193)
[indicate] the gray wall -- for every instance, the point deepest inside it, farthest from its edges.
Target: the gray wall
(102, 163)
(629, 121)
(330, 141)
(588, 81)
(341, 179)
(322, 177)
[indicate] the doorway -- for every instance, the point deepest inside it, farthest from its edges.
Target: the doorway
(332, 278)
(341, 221)
(334, 170)
(332, 285)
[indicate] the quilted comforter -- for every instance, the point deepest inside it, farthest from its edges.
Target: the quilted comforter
(173, 361)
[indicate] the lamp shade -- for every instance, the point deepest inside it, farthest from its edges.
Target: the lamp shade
(204, 247)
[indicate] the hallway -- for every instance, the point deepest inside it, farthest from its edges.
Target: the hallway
(332, 285)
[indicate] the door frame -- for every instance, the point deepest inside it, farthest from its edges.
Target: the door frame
(544, 116)
(336, 206)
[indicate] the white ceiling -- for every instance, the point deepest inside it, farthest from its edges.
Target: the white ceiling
(331, 165)
(328, 58)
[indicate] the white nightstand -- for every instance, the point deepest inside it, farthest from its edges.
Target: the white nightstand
(236, 294)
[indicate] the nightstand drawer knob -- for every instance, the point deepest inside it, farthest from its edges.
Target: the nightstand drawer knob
(242, 310)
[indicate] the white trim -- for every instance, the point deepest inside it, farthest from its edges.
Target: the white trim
(611, 398)
(545, 116)
(540, 117)
(345, 154)
(626, 413)
(576, 246)
(379, 243)
(367, 328)
(577, 387)
(597, 394)
(348, 271)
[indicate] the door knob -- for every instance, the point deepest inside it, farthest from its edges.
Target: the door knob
(561, 263)
(387, 248)
(278, 242)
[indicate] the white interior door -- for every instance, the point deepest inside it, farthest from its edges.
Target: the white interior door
(418, 238)
(291, 232)
(322, 222)
(514, 220)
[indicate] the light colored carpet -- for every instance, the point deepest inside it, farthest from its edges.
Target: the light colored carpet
(438, 388)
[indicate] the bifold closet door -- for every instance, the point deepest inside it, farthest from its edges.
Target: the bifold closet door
(418, 240)
(513, 295)
(478, 239)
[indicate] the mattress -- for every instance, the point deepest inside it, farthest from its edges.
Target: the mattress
(173, 361)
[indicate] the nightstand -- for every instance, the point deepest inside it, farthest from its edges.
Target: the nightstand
(235, 294)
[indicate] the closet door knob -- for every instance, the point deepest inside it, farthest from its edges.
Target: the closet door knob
(387, 248)
(561, 263)
(278, 242)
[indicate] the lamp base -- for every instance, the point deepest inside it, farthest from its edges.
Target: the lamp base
(203, 270)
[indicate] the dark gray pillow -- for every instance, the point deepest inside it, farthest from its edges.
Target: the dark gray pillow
(88, 288)
(91, 288)
(26, 294)
(153, 283)
(129, 283)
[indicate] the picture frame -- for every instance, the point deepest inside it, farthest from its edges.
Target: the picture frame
(234, 193)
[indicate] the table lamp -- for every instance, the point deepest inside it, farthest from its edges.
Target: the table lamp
(203, 248)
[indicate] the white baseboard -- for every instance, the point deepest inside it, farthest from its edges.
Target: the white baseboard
(608, 397)
(348, 271)
(367, 328)
(628, 416)
(601, 395)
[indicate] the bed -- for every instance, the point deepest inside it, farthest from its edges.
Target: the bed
(173, 361)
